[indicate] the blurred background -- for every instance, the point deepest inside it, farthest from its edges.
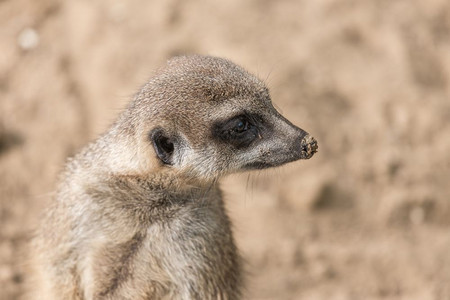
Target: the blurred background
(368, 217)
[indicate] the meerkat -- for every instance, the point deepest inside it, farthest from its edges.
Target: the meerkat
(138, 213)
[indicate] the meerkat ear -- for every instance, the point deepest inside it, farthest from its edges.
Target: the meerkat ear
(164, 145)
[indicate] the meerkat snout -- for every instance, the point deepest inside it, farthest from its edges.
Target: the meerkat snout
(139, 212)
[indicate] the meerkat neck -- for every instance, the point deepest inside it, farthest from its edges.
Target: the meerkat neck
(151, 198)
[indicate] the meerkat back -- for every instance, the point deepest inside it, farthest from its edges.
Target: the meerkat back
(138, 213)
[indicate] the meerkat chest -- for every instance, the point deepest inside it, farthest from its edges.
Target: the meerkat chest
(192, 255)
(197, 251)
(197, 238)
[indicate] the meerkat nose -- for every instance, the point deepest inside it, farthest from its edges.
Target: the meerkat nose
(309, 147)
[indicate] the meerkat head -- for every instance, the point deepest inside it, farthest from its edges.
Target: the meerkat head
(207, 117)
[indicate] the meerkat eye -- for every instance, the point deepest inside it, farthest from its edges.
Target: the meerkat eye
(238, 131)
(241, 126)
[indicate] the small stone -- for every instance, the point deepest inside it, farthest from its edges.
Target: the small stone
(28, 39)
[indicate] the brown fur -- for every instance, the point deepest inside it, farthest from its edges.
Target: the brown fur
(129, 224)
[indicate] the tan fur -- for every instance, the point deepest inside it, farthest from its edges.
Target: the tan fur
(126, 225)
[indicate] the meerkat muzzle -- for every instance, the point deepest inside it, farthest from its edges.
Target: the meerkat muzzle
(309, 147)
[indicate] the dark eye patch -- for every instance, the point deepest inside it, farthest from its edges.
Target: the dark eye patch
(239, 131)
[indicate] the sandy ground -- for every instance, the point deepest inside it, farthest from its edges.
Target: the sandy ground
(367, 218)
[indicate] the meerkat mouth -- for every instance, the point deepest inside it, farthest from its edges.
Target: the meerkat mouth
(259, 165)
(309, 147)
